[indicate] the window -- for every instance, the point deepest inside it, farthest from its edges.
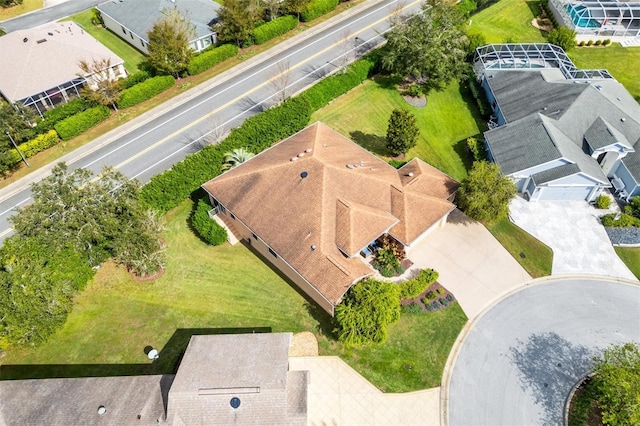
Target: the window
(232, 216)
(273, 253)
(131, 36)
(255, 237)
(123, 30)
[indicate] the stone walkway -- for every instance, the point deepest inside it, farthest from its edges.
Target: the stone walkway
(338, 395)
(573, 231)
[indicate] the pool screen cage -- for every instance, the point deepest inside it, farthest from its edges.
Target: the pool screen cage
(530, 56)
(55, 96)
(600, 18)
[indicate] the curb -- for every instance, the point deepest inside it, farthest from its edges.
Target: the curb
(462, 337)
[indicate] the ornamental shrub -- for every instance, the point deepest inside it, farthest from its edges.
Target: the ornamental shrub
(606, 42)
(476, 149)
(274, 28)
(598, 42)
(52, 116)
(211, 58)
(412, 288)
(37, 144)
(206, 228)
(145, 90)
(603, 202)
(623, 221)
(72, 126)
(590, 43)
(135, 78)
(581, 44)
(317, 8)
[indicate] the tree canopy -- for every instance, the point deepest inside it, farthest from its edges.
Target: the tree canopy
(429, 47)
(169, 50)
(103, 88)
(236, 20)
(563, 37)
(402, 131)
(485, 194)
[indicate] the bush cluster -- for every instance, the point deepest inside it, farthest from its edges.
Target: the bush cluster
(410, 289)
(211, 58)
(603, 202)
(630, 216)
(477, 92)
(317, 8)
(467, 6)
(52, 116)
(72, 126)
(39, 143)
(274, 28)
(145, 90)
(168, 189)
(476, 149)
(135, 78)
(207, 229)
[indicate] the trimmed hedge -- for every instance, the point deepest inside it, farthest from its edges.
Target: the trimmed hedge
(410, 289)
(207, 229)
(211, 58)
(72, 126)
(273, 29)
(145, 90)
(317, 8)
(135, 78)
(33, 146)
(168, 189)
(52, 116)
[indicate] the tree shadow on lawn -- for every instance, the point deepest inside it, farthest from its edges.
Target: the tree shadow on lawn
(167, 363)
(386, 81)
(370, 142)
(548, 367)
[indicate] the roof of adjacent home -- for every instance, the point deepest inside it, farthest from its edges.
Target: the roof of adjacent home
(317, 199)
(39, 59)
(139, 16)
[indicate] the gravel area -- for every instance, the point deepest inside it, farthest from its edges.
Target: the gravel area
(628, 236)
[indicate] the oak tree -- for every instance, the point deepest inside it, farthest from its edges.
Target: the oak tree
(485, 194)
(169, 50)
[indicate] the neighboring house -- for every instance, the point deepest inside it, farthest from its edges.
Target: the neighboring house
(560, 132)
(131, 20)
(602, 19)
(239, 379)
(314, 202)
(40, 66)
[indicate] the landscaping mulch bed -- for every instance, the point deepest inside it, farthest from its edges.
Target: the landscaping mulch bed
(628, 236)
(415, 101)
(433, 299)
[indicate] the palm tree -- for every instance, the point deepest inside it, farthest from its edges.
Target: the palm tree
(235, 158)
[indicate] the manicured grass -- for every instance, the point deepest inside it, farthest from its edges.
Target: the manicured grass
(631, 257)
(507, 20)
(21, 9)
(445, 123)
(131, 56)
(622, 62)
(217, 290)
(538, 257)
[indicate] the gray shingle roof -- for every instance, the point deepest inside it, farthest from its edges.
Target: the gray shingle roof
(140, 15)
(632, 161)
(601, 134)
(555, 173)
(522, 144)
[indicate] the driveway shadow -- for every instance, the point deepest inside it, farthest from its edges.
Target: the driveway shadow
(548, 367)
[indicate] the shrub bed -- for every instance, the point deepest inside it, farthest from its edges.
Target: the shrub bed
(211, 58)
(145, 90)
(410, 289)
(72, 126)
(603, 202)
(206, 228)
(274, 28)
(52, 116)
(135, 78)
(317, 8)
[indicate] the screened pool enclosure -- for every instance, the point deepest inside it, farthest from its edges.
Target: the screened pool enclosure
(605, 18)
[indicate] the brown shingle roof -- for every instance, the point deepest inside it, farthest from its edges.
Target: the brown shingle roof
(346, 190)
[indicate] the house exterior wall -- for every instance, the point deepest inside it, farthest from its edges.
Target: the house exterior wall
(630, 185)
(492, 101)
(438, 224)
(261, 247)
(124, 33)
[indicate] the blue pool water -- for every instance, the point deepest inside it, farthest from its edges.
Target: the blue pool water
(580, 17)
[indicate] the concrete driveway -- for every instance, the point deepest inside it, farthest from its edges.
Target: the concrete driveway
(471, 262)
(520, 359)
(573, 231)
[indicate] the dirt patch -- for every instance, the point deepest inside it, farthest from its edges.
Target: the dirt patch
(543, 24)
(415, 101)
(304, 344)
(148, 278)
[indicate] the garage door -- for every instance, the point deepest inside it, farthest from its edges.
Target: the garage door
(565, 193)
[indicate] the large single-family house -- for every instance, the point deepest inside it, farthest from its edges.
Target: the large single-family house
(229, 379)
(40, 66)
(314, 202)
(560, 132)
(131, 20)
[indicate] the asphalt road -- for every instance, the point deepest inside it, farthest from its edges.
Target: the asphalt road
(166, 139)
(48, 14)
(521, 359)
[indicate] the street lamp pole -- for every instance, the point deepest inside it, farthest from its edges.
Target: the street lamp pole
(6, 132)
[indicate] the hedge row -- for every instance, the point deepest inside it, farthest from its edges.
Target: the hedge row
(135, 78)
(34, 146)
(145, 90)
(274, 28)
(72, 126)
(52, 116)
(211, 58)
(166, 190)
(208, 230)
(412, 288)
(317, 8)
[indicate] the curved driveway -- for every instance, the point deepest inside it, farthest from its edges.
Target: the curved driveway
(521, 358)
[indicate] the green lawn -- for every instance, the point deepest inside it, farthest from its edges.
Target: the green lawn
(131, 56)
(217, 290)
(445, 123)
(13, 11)
(631, 257)
(538, 257)
(508, 20)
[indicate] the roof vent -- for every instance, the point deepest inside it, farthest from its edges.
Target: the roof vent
(623, 119)
(351, 166)
(235, 402)
(24, 40)
(294, 158)
(618, 98)
(410, 174)
(102, 410)
(308, 150)
(598, 87)
(301, 155)
(304, 175)
(313, 247)
(50, 34)
(42, 40)
(324, 145)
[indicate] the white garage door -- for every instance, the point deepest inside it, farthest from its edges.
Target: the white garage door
(565, 193)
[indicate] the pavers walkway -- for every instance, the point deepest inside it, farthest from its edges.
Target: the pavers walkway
(573, 231)
(472, 264)
(338, 395)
